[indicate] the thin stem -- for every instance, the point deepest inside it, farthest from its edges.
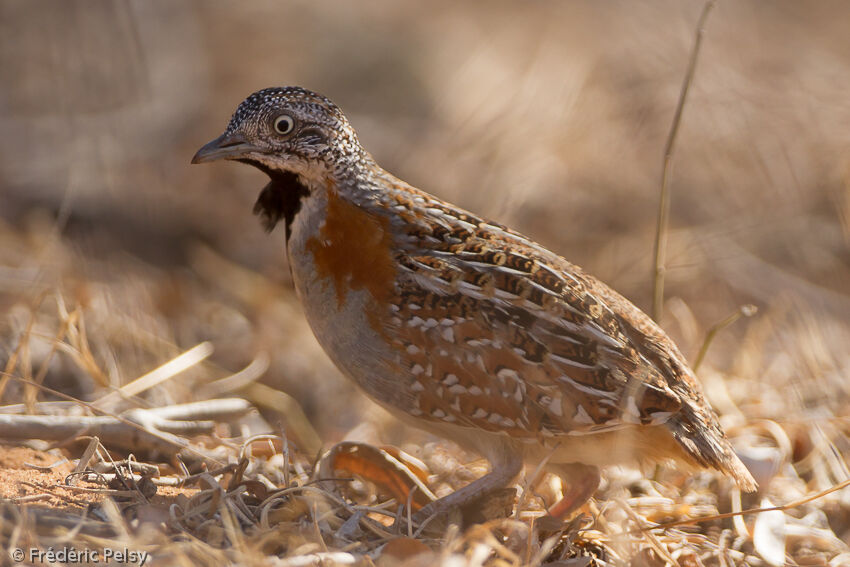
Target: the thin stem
(743, 311)
(660, 251)
(714, 517)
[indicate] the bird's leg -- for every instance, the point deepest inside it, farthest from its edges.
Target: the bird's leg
(580, 482)
(503, 470)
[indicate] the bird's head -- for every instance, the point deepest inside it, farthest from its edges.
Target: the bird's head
(286, 129)
(299, 138)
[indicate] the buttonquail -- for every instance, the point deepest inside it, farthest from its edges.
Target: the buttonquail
(460, 325)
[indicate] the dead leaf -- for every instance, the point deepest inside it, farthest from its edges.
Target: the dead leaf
(769, 535)
(379, 467)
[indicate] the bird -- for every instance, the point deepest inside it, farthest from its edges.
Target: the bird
(461, 326)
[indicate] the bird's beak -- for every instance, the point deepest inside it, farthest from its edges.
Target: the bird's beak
(226, 146)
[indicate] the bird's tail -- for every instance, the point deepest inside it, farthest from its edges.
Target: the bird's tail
(698, 431)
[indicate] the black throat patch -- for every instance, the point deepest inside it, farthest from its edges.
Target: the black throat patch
(280, 199)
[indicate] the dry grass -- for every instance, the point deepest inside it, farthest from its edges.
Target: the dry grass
(116, 257)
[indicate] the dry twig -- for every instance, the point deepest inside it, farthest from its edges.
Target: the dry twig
(660, 249)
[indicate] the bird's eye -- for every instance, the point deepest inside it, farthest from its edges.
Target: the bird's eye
(284, 124)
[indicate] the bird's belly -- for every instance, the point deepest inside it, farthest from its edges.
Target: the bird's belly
(343, 329)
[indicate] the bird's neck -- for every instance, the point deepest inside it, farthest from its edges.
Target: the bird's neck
(352, 179)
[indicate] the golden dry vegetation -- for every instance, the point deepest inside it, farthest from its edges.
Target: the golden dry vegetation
(117, 256)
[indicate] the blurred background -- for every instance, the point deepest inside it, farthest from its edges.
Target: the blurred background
(548, 116)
